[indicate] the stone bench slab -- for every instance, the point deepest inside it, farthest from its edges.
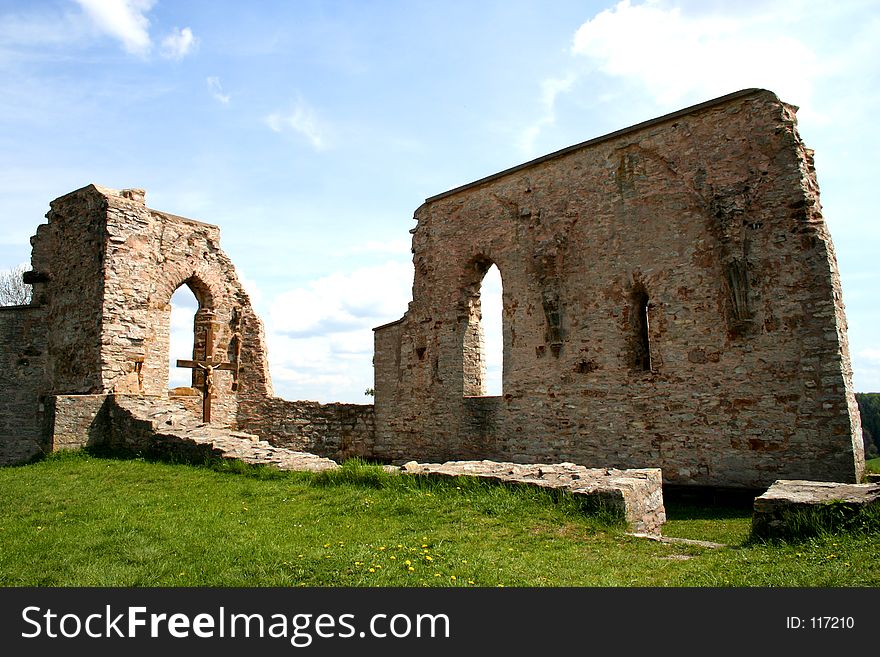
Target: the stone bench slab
(636, 493)
(779, 512)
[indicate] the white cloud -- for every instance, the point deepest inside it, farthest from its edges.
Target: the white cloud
(391, 247)
(301, 119)
(870, 354)
(342, 301)
(680, 56)
(178, 43)
(216, 90)
(866, 370)
(183, 309)
(125, 20)
(550, 89)
(320, 335)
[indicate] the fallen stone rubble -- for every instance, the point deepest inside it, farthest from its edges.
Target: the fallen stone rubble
(162, 427)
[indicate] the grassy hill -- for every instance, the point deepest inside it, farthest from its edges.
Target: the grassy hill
(76, 519)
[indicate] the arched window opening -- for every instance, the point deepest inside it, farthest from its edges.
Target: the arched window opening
(641, 327)
(184, 307)
(483, 346)
(490, 297)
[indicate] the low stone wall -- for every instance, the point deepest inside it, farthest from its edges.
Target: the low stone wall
(796, 508)
(78, 421)
(166, 429)
(637, 494)
(337, 431)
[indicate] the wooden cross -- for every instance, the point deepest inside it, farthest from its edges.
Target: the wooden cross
(208, 365)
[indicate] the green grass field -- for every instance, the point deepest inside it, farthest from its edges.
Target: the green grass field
(80, 520)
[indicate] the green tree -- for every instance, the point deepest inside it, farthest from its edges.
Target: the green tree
(869, 410)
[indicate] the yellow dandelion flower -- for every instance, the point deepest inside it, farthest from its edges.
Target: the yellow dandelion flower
(326, 545)
(382, 548)
(410, 569)
(424, 546)
(393, 557)
(428, 557)
(436, 574)
(453, 577)
(408, 562)
(470, 581)
(372, 570)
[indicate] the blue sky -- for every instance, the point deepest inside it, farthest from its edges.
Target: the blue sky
(311, 131)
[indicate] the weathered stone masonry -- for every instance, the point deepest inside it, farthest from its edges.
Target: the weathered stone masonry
(671, 299)
(104, 269)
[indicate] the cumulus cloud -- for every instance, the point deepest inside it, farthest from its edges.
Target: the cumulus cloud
(178, 43)
(124, 20)
(677, 55)
(681, 52)
(216, 90)
(320, 335)
(303, 120)
(343, 301)
(127, 21)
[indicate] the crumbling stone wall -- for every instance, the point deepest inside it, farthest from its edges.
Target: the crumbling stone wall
(106, 267)
(670, 299)
(336, 431)
(22, 383)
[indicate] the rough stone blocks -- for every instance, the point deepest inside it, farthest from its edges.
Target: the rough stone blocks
(792, 508)
(636, 495)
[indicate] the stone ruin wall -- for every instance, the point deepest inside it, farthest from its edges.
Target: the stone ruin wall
(107, 297)
(104, 267)
(336, 431)
(23, 338)
(738, 374)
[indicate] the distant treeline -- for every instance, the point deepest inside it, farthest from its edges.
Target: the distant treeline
(869, 409)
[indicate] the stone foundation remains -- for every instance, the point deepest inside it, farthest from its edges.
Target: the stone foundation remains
(800, 508)
(637, 495)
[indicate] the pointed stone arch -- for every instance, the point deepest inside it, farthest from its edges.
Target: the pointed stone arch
(474, 355)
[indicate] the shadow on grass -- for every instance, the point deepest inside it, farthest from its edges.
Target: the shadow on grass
(698, 503)
(495, 496)
(221, 465)
(798, 525)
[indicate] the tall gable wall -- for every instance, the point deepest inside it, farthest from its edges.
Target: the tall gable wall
(738, 372)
